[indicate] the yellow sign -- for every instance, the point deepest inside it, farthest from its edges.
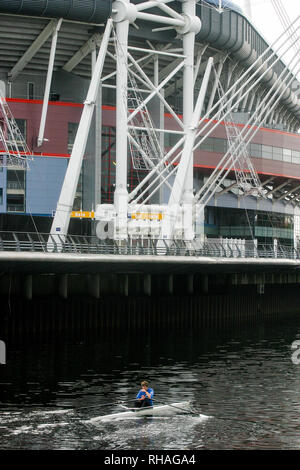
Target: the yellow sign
(146, 216)
(83, 214)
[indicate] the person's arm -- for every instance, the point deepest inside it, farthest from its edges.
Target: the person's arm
(149, 394)
(140, 395)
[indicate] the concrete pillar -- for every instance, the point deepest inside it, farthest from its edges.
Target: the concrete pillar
(92, 162)
(94, 285)
(27, 287)
(63, 286)
(204, 283)
(170, 285)
(260, 289)
(190, 284)
(147, 284)
(123, 284)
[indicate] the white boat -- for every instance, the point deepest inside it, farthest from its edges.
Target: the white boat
(157, 410)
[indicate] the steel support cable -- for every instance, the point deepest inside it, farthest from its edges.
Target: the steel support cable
(234, 136)
(278, 80)
(180, 142)
(148, 124)
(291, 34)
(155, 90)
(147, 147)
(285, 21)
(200, 198)
(297, 51)
(233, 87)
(218, 168)
(235, 94)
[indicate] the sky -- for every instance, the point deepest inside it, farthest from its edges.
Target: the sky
(265, 17)
(267, 22)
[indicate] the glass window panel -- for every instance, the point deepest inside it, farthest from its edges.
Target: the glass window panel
(277, 151)
(255, 150)
(220, 145)
(266, 150)
(208, 145)
(278, 156)
(267, 156)
(287, 155)
(174, 138)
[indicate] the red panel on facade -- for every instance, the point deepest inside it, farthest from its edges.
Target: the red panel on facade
(61, 113)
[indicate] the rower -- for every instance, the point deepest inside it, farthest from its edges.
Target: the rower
(144, 396)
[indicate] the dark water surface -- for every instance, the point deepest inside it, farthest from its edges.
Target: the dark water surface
(244, 381)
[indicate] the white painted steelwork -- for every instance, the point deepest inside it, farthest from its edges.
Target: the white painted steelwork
(173, 168)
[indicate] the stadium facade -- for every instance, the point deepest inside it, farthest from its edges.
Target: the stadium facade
(27, 29)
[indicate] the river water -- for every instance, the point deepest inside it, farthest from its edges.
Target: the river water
(243, 384)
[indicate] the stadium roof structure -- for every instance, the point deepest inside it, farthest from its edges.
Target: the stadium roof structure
(27, 26)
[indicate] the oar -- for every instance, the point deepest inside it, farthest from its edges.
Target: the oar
(197, 414)
(177, 407)
(101, 406)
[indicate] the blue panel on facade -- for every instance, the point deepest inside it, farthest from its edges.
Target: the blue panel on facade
(227, 200)
(249, 203)
(43, 184)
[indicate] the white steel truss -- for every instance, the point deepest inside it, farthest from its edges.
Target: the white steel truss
(246, 177)
(133, 214)
(13, 148)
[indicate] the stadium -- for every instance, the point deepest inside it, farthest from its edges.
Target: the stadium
(48, 52)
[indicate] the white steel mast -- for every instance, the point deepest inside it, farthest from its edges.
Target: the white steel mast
(132, 215)
(61, 219)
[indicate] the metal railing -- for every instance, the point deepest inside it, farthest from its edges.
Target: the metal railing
(15, 208)
(41, 242)
(15, 185)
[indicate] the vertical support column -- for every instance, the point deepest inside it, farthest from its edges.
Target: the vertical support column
(168, 225)
(63, 286)
(121, 193)
(28, 287)
(156, 109)
(92, 162)
(48, 84)
(204, 283)
(61, 220)
(94, 285)
(190, 284)
(170, 286)
(98, 147)
(189, 9)
(125, 284)
(147, 284)
(93, 58)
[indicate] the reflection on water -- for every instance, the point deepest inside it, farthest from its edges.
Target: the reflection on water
(243, 381)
